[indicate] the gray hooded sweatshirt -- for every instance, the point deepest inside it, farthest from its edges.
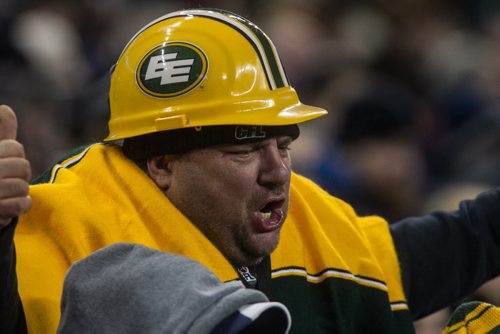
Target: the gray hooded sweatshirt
(129, 288)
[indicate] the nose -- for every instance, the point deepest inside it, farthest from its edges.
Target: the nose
(275, 168)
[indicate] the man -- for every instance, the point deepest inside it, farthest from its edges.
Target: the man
(196, 163)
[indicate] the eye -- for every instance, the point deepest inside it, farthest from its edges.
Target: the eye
(284, 145)
(240, 151)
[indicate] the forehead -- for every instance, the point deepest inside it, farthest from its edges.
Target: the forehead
(259, 142)
(239, 135)
(189, 139)
(218, 149)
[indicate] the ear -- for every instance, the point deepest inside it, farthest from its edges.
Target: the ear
(159, 171)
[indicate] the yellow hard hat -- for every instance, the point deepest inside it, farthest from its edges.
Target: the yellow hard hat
(196, 68)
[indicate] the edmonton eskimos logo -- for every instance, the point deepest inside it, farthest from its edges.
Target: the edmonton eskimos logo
(171, 69)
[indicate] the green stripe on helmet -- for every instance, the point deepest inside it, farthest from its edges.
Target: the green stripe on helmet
(273, 60)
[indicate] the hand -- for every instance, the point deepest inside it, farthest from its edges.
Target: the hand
(15, 170)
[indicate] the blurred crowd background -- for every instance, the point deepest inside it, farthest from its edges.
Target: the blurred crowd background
(412, 86)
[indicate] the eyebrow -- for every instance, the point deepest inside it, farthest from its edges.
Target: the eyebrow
(280, 139)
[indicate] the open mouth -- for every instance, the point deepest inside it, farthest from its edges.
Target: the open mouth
(270, 216)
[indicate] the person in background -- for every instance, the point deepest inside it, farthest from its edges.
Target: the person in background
(197, 163)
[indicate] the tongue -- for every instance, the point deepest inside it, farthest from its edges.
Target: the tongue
(269, 221)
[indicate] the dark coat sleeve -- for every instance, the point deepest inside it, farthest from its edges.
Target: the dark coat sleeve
(12, 318)
(446, 255)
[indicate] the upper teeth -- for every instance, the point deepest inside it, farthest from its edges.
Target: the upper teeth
(266, 215)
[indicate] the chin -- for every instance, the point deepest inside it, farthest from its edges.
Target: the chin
(250, 263)
(251, 250)
(249, 260)
(258, 255)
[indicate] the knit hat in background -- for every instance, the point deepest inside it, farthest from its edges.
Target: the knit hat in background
(474, 317)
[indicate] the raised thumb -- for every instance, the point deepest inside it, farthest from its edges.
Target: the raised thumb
(8, 123)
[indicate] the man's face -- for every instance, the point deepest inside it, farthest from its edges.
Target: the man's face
(237, 195)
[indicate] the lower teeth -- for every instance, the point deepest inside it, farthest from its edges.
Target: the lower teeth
(266, 215)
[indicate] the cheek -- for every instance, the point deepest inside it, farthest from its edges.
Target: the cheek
(214, 204)
(211, 187)
(230, 187)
